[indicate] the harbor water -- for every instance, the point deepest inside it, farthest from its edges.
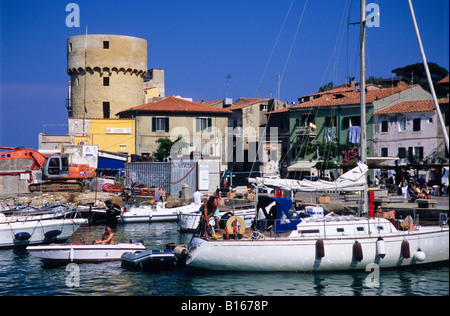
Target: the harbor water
(23, 275)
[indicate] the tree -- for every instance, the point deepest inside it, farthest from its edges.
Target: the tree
(326, 87)
(164, 147)
(416, 74)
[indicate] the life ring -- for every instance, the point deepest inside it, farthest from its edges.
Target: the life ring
(230, 222)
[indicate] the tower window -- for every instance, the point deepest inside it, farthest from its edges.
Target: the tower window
(106, 81)
(106, 109)
(105, 44)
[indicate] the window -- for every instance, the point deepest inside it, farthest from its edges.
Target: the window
(160, 124)
(64, 164)
(106, 109)
(402, 125)
(330, 121)
(415, 153)
(53, 166)
(384, 126)
(70, 47)
(418, 152)
(106, 81)
(416, 125)
(105, 44)
(384, 152)
(202, 123)
(351, 121)
(401, 152)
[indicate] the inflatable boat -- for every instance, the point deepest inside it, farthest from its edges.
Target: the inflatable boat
(151, 259)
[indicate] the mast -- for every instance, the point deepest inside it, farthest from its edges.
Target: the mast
(363, 139)
(430, 82)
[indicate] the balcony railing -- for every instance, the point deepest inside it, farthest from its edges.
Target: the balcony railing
(305, 131)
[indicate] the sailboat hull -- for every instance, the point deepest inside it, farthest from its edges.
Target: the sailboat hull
(301, 254)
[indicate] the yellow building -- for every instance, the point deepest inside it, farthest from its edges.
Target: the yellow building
(113, 135)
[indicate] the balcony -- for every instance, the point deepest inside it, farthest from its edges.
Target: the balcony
(305, 131)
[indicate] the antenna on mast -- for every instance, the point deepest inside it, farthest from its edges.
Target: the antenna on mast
(228, 79)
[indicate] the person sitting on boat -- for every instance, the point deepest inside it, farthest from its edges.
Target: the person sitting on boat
(406, 224)
(107, 237)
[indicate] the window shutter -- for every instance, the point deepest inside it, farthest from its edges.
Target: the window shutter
(166, 125)
(153, 124)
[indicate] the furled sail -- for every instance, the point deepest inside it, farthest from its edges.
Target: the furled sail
(353, 180)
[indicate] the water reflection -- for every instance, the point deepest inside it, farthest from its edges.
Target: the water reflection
(22, 274)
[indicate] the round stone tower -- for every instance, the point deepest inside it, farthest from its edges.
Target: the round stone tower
(106, 74)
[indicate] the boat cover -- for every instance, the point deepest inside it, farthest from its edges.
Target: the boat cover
(274, 213)
(352, 180)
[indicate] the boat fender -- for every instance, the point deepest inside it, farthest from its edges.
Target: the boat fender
(230, 222)
(419, 255)
(357, 251)
(320, 248)
(22, 236)
(52, 233)
(181, 251)
(381, 248)
(405, 249)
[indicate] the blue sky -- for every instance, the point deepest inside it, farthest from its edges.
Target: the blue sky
(200, 42)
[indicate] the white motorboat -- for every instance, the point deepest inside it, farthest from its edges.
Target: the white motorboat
(81, 253)
(21, 231)
(188, 222)
(155, 213)
(282, 241)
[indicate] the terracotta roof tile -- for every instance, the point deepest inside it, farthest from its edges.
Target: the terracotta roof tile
(172, 104)
(445, 80)
(408, 107)
(351, 97)
(244, 102)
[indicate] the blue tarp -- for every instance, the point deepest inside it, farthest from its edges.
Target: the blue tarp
(108, 163)
(277, 217)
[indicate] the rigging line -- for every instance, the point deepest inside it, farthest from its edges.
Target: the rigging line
(340, 35)
(273, 50)
(281, 78)
(293, 41)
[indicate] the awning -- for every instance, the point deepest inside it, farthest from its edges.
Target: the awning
(380, 159)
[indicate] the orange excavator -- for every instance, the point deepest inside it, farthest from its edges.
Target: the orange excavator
(57, 174)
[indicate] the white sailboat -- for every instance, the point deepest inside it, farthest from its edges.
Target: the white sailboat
(279, 240)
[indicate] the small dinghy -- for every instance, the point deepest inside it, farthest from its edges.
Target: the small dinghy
(151, 259)
(81, 253)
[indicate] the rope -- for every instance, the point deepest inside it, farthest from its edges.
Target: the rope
(179, 179)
